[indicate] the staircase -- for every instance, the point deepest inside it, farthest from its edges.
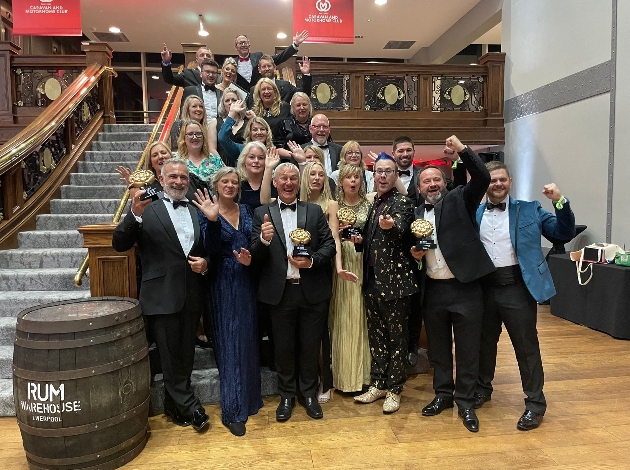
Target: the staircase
(42, 269)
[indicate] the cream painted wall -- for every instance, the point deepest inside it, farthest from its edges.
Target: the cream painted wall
(549, 40)
(621, 185)
(545, 41)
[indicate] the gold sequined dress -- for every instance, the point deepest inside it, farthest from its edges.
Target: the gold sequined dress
(347, 321)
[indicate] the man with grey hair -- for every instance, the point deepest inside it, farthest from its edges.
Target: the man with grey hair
(320, 131)
(298, 287)
(187, 77)
(172, 293)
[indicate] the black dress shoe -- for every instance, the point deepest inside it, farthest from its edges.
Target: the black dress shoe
(438, 405)
(313, 409)
(285, 408)
(200, 419)
(468, 416)
(177, 417)
(412, 359)
(530, 420)
(480, 399)
(238, 429)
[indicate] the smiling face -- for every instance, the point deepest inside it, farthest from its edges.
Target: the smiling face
(209, 74)
(196, 110)
(194, 137)
(311, 156)
(353, 156)
(175, 180)
(385, 175)
(266, 68)
(241, 44)
(287, 181)
(301, 108)
(227, 186)
(255, 161)
(320, 129)
(259, 132)
(159, 154)
(500, 184)
(403, 154)
(431, 185)
(267, 94)
(229, 98)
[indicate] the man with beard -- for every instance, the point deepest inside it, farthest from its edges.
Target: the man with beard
(452, 272)
(404, 152)
(267, 69)
(172, 293)
(207, 91)
(388, 284)
(187, 77)
(298, 288)
(510, 230)
(320, 131)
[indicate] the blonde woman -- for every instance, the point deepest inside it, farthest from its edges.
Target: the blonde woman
(192, 146)
(192, 109)
(269, 106)
(235, 133)
(351, 154)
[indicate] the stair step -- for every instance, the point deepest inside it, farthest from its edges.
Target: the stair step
(7, 407)
(38, 258)
(124, 137)
(12, 303)
(50, 239)
(84, 206)
(135, 145)
(7, 330)
(92, 192)
(70, 221)
(40, 279)
(6, 361)
(128, 127)
(96, 179)
(104, 167)
(113, 156)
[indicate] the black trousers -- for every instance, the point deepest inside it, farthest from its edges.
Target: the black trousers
(297, 330)
(513, 306)
(387, 322)
(175, 334)
(415, 322)
(454, 310)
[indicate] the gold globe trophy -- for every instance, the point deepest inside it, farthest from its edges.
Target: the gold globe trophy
(347, 216)
(300, 239)
(422, 230)
(145, 179)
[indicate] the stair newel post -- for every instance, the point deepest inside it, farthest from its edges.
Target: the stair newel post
(101, 53)
(7, 87)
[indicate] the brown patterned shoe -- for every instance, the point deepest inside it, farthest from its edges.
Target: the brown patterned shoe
(371, 395)
(392, 402)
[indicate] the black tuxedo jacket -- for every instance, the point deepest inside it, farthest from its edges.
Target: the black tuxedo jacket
(455, 223)
(286, 89)
(273, 261)
(254, 57)
(168, 282)
(389, 250)
(196, 90)
(412, 189)
(187, 77)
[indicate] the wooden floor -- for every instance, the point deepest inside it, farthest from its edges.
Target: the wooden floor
(587, 424)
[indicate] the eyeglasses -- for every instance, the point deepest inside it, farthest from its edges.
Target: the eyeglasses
(386, 172)
(353, 152)
(195, 135)
(242, 43)
(321, 126)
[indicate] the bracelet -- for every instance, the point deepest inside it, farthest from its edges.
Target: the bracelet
(560, 203)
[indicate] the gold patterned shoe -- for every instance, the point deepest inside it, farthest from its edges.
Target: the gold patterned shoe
(392, 402)
(371, 395)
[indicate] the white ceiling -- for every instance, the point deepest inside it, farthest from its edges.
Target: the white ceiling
(148, 24)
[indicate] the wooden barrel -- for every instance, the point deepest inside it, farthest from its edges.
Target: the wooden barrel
(81, 383)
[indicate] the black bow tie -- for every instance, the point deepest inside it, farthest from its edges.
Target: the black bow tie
(177, 204)
(210, 87)
(428, 207)
(404, 172)
(325, 146)
(500, 206)
(284, 206)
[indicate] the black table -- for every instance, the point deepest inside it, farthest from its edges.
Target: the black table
(603, 304)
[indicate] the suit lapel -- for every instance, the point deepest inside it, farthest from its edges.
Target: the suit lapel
(167, 223)
(301, 214)
(276, 219)
(512, 207)
(195, 220)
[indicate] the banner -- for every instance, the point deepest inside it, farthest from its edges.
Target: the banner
(47, 17)
(327, 21)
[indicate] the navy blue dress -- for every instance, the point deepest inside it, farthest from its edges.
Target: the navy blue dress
(235, 318)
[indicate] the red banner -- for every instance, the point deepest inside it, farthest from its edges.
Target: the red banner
(327, 21)
(47, 17)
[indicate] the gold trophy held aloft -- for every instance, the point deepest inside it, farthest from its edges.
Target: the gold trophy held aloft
(145, 179)
(347, 216)
(300, 239)
(422, 230)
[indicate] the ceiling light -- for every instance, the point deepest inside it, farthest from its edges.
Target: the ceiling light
(281, 35)
(202, 32)
(380, 2)
(155, 77)
(114, 29)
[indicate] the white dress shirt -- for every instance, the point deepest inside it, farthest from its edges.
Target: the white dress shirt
(289, 223)
(245, 68)
(436, 264)
(210, 102)
(495, 236)
(327, 163)
(182, 221)
(404, 178)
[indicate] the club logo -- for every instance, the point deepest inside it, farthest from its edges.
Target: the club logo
(323, 6)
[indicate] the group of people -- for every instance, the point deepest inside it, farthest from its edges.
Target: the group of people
(345, 294)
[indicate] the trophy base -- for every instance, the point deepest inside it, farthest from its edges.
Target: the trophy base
(346, 233)
(302, 250)
(425, 244)
(152, 192)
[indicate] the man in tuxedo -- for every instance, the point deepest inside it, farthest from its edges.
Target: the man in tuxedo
(172, 292)
(320, 131)
(404, 152)
(267, 69)
(187, 77)
(248, 74)
(510, 230)
(453, 298)
(297, 289)
(388, 283)
(207, 91)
